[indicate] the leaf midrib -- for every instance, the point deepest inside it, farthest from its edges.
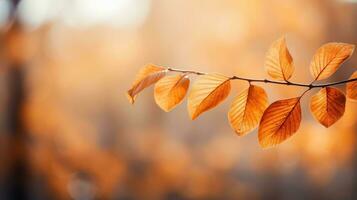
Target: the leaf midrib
(324, 68)
(204, 99)
(281, 125)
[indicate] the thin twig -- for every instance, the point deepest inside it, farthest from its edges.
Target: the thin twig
(310, 86)
(186, 71)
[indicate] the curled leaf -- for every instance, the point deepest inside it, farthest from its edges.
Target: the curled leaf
(278, 61)
(207, 92)
(170, 91)
(279, 122)
(147, 76)
(247, 109)
(328, 105)
(328, 59)
(351, 88)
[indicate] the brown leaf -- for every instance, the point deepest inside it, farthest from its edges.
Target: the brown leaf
(247, 109)
(328, 59)
(351, 88)
(328, 105)
(147, 76)
(207, 92)
(279, 122)
(170, 91)
(278, 61)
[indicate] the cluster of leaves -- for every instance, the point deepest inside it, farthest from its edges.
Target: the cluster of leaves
(277, 121)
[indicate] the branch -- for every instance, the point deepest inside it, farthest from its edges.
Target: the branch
(310, 86)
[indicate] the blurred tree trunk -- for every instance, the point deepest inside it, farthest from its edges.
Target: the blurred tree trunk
(17, 172)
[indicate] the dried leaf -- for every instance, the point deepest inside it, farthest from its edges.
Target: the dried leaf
(328, 105)
(207, 92)
(328, 59)
(351, 88)
(278, 61)
(170, 91)
(247, 109)
(147, 76)
(279, 122)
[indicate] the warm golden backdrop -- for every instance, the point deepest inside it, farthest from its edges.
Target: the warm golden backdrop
(84, 140)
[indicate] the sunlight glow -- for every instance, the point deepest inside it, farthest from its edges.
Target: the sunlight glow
(5, 7)
(117, 13)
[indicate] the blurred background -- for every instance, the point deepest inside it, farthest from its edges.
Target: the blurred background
(67, 130)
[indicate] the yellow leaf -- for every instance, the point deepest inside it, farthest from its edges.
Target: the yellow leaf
(352, 88)
(328, 59)
(170, 91)
(278, 61)
(328, 105)
(247, 109)
(279, 122)
(207, 92)
(147, 76)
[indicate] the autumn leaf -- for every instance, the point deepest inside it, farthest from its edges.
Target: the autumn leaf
(147, 76)
(207, 92)
(170, 91)
(351, 88)
(278, 61)
(328, 105)
(247, 109)
(279, 122)
(328, 59)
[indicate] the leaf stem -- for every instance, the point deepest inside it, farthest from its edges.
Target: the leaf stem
(250, 80)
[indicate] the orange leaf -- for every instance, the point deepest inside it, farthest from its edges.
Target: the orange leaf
(207, 92)
(328, 59)
(247, 109)
(170, 91)
(279, 122)
(147, 76)
(278, 61)
(352, 88)
(328, 105)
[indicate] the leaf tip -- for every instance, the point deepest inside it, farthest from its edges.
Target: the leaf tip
(239, 133)
(193, 117)
(326, 125)
(282, 38)
(352, 46)
(193, 114)
(130, 97)
(266, 145)
(166, 109)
